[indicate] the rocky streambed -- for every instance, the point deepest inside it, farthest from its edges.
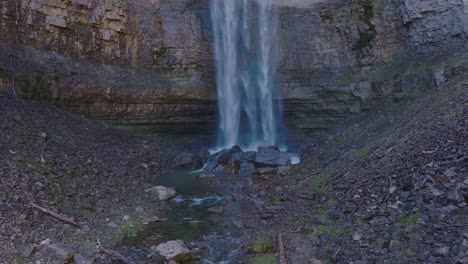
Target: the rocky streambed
(205, 208)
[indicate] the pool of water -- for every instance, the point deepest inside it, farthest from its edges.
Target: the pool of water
(214, 238)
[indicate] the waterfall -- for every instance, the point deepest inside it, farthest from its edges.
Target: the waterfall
(245, 34)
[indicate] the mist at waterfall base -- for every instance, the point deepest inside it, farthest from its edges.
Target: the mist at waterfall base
(245, 34)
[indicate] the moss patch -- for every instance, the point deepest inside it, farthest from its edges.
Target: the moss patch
(126, 228)
(264, 259)
(262, 245)
(408, 219)
(319, 182)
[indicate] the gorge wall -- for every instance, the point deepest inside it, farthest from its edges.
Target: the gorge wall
(150, 61)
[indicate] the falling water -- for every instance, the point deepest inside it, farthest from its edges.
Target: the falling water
(245, 52)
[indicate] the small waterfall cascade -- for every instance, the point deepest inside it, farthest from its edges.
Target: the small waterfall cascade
(245, 33)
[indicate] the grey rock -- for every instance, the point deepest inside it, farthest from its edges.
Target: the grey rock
(442, 251)
(161, 192)
(225, 155)
(61, 251)
(271, 156)
(357, 236)
(439, 77)
(28, 250)
(174, 250)
(449, 173)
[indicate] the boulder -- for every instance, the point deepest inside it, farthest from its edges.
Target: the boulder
(271, 156)
(174, 250)
(163, 193)
(188, 160)
(61, 251)
(225, 155)
(219, 160)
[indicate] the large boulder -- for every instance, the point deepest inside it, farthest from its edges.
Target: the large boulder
(271, 156)
(163, 193)
(188, 160)
(174, 250)
(224, 156)
(220, 159)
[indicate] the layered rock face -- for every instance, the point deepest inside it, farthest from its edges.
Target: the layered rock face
(133, 61)
(150, 61)
(339, 55)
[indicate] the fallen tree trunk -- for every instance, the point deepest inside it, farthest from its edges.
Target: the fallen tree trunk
(282, 259)
(62, 218)
(113, 254)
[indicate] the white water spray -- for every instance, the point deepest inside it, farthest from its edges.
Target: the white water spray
(246, 53)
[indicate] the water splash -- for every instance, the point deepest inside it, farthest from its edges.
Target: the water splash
(246, 59)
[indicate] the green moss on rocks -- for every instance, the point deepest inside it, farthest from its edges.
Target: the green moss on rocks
(125, 229)
(262, 245)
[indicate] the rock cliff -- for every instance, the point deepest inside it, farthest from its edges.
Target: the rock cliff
(150, 61)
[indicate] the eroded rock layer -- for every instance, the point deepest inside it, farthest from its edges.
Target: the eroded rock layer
(150, 61)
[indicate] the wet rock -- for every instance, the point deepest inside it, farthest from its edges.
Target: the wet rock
(163, 193)
(216, 210)
(224, 156)
(61, 251)
(188, 160)
(174, 250)
(271, 156)
(233, 166)
(219, 160)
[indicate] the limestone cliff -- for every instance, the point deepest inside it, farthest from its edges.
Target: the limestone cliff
(151, 61)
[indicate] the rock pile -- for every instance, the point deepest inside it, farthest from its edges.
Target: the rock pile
(235, 160)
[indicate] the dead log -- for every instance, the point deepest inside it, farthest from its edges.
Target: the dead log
(113, 254)
(54, 214)
(282, 259)
(62, 218)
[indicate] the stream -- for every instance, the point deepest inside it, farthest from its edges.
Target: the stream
(213, 238)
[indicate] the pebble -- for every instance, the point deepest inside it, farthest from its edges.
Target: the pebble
(357, 236)
(449, 173)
